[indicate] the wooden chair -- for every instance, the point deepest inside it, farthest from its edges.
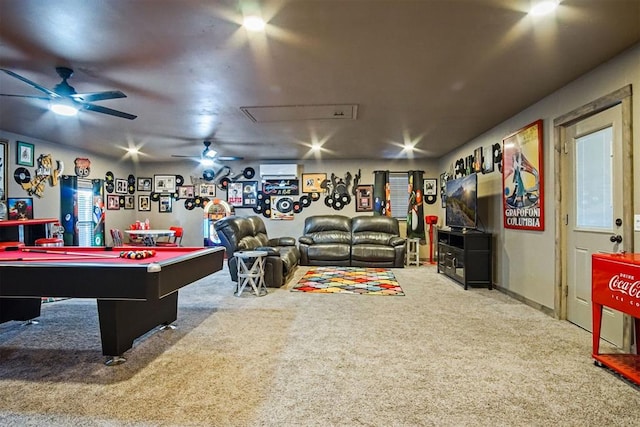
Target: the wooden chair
(175, 240)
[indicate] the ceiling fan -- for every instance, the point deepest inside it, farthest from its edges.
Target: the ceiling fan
(209, 154)
(66, 97)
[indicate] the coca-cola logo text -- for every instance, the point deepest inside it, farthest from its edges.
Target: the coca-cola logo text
(625, 284)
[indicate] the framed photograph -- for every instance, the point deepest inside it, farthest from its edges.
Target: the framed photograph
(121, 186)
(186, 192)
(430, 187)
(364, 198)
(206, 190)
(129, 202)
(164, 205)
(113, 202)
(164, 184)
(522, 186)
(144, 203)
(25, 154)
(312, 182)
(144, 184)
(443, 187)
(4, 164)
(20, 208)
(477, 160)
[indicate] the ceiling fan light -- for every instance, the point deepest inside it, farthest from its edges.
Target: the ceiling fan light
(209, 153)
(206, 162)
(63, 109)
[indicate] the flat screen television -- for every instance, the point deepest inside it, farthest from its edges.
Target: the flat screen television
(462, 202)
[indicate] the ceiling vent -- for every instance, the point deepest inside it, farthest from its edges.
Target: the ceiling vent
(288, 113)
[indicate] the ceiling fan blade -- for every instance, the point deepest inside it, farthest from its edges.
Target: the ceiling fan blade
(98, 96)
(33, 84)
(228, 158)
(45, 98)
(185, 157)
(109, 111)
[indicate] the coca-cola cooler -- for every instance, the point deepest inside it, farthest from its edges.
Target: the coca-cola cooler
(615, 283)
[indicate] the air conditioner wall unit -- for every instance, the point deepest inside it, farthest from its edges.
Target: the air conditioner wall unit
(278, 171)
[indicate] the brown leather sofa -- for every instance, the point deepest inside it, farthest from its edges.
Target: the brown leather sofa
(362, 241)
(248, 234)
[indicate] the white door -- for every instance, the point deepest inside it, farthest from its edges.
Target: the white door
(594, 212)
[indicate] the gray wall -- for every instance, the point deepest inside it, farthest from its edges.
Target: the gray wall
(524, 260)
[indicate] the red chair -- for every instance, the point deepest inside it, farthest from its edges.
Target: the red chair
(175, 240)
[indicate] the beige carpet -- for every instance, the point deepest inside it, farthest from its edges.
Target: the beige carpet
(440, 356)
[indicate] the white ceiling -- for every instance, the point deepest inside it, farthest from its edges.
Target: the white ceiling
(435, 73)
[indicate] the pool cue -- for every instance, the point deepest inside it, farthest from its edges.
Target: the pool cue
(80, 254)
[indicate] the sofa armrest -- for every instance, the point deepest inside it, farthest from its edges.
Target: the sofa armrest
(307, 240)
(269, 250)
(282, 241)
(396, 241)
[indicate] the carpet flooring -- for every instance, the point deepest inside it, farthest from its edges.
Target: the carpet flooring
(349, 280)
(439, 356)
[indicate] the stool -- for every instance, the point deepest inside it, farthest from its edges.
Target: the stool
(413, 252)
(12, 245)
(49, 241)
(251, 271)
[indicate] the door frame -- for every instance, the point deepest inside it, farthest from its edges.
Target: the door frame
(621, 96)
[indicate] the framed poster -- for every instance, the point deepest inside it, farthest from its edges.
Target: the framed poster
(164, 205)
(25, 154)
(186, 192)
(522, 186)
(364, 198)
(205, 190)
(4, 164)
(249, 194)
(144, 203)
(443, 186)
(430, 190)
(164, 183)
(144, 184)
(312, 182)
(234, 194)
(113, 202)
(20, 208)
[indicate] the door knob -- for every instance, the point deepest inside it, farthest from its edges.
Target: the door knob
(616, 239)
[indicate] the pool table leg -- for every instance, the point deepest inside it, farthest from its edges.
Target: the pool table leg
(122, 321)
(19, 309)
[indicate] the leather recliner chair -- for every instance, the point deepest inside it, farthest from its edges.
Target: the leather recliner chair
(249, 234)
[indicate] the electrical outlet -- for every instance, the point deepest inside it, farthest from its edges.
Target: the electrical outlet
(636, 222)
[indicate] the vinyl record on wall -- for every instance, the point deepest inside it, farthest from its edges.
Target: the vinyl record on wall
(284, 205)
(22, 175)
(179, 180)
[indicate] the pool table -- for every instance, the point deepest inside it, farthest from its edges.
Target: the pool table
(133, 295)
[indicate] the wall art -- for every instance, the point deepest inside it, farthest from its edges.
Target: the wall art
(522, 195)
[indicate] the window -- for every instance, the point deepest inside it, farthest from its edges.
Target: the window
(399, 184)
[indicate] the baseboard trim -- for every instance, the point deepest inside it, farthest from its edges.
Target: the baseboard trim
(546, 310)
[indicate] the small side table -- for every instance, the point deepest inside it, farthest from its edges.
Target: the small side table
(413, 252)
(251, 271)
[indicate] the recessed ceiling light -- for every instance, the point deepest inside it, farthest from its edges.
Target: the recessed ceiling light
(253, 23)
(543, 7)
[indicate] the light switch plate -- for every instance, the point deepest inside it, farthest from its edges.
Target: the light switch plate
(636, 222)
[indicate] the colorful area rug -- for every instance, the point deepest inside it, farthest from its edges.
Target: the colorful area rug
(349, 280)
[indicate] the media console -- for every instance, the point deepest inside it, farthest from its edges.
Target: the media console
(465, 257)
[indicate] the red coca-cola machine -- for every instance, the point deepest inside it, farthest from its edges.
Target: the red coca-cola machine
(615, 283)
